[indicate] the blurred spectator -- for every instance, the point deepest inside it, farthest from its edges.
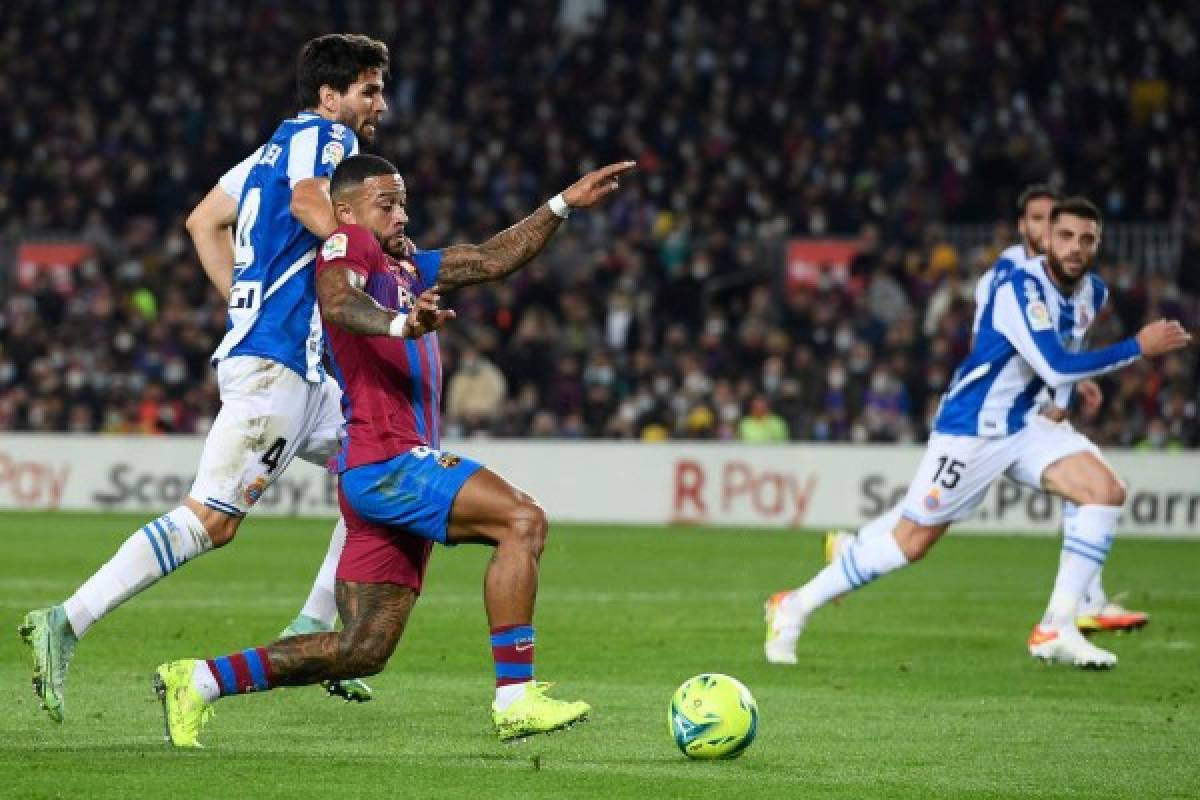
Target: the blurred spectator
(762, 425)
(476, 390)
(1158, 438)
(662, 315)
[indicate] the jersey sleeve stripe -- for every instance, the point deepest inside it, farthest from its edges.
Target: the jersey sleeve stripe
(436, 385)
(234, 180)
(418, 402)
(1049, 360)
(427, 400)
(302, 155)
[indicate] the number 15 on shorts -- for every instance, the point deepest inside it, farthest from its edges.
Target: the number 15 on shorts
(949, 470)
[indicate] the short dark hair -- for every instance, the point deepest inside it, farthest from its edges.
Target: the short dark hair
(1036, 191)
(1078, 207)
(335, 59)
(350, 174)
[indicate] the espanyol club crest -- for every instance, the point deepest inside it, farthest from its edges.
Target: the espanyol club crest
(254, 492)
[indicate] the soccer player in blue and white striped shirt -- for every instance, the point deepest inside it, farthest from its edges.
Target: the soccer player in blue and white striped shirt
(276, 401)
(1096, 612)
(988, 425)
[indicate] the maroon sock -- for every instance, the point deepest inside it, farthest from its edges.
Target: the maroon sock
(512, 650)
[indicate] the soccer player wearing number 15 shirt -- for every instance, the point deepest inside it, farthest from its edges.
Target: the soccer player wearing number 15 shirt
(987, 426)
(276, 401)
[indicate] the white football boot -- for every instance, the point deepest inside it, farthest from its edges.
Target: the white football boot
(1067, 646)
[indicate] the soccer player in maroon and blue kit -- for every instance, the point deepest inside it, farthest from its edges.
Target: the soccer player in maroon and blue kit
(398, 492)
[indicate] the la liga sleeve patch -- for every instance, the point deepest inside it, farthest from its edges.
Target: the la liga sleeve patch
(333, 153)
(1038, 316)
(335, 247)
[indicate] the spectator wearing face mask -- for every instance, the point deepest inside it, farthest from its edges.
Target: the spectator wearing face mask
(476, 390)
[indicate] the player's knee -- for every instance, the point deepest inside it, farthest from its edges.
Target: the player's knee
(527, 524)
(221, 535)
(371, 662)
(1112, 491)
(220, 527)
(364, 657)
(915, 549)
(1104, 489)
(917, 542)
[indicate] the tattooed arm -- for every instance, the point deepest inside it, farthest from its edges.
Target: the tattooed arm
(345, 304)
(511, 249)
(501, 255)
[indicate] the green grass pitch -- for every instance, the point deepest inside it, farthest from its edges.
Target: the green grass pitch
(918, 687)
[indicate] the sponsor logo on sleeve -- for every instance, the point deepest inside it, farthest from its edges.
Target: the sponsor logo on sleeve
(333, 153)
(335, 247)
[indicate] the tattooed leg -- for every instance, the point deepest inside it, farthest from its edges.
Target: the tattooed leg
(374, 615)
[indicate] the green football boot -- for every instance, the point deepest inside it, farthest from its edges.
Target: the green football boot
(351, 689)
(534, 713)
(52, 642)
(185, 712)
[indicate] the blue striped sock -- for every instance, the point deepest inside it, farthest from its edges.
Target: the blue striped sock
(512, 651)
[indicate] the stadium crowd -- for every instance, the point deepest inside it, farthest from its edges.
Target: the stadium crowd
(666, 314)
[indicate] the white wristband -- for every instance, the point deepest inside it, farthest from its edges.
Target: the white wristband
(559, 206)
(396, 328)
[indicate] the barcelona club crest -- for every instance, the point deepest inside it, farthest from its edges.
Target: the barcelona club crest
(448, 460)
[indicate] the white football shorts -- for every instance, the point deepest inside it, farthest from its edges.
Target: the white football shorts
(269, 415)
(956, 471)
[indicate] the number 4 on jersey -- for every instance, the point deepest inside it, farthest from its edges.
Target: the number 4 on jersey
(273, 454)
(243, 248)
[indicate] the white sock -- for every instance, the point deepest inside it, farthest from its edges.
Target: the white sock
(1094, 597)
(322, 603)
(507, 695)
(1084, 549)
(154, 551)
(861, 562)
(881, 526)
(205, 682)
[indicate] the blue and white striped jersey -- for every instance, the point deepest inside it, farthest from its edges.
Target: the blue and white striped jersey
(1025, 340)
(1014, 257)
(273, 303)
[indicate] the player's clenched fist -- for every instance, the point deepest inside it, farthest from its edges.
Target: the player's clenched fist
(1162, 336)
(425, 316)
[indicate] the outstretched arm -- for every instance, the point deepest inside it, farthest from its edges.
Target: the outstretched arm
(501, 255)
(511, 249)
(1027, 326)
